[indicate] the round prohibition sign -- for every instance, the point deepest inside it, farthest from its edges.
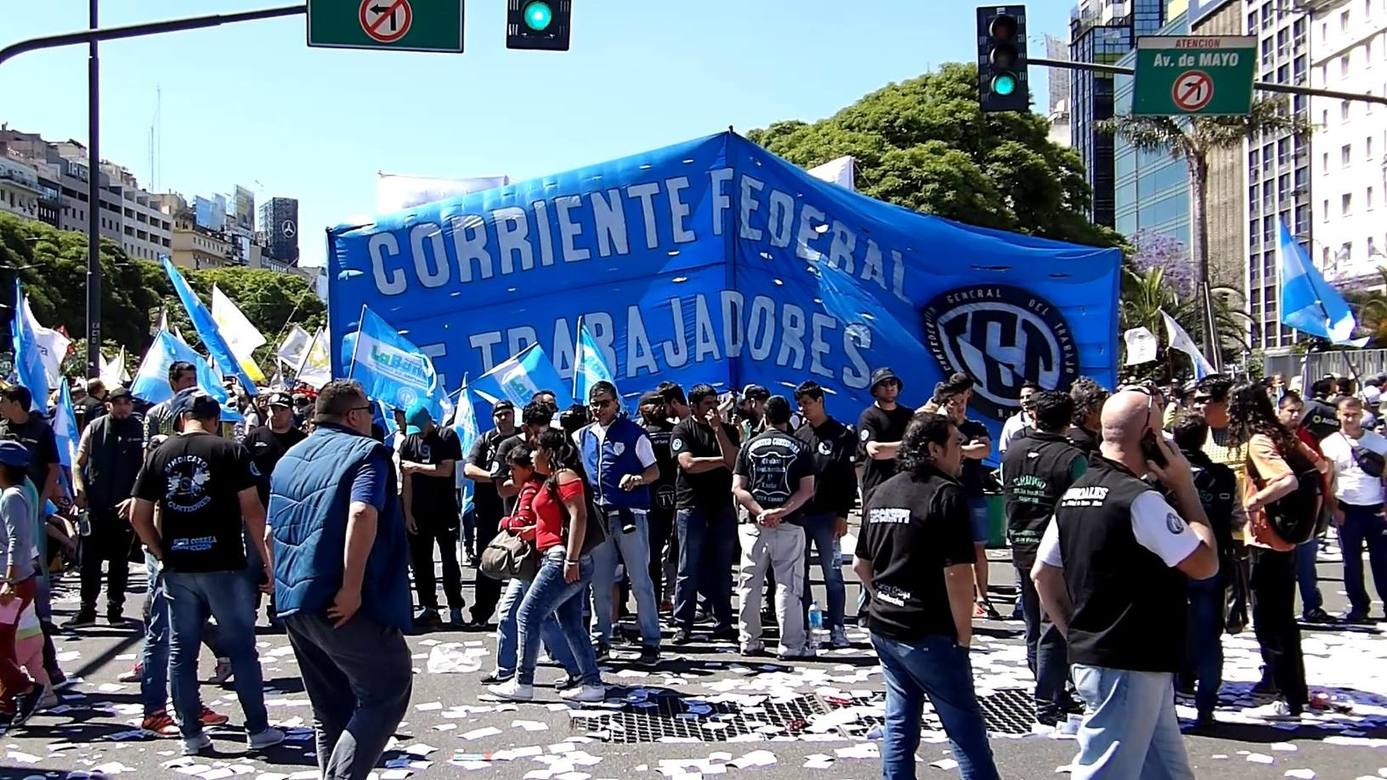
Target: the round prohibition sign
(1192, 90)
(385, 21)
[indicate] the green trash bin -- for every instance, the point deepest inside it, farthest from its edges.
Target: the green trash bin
(996, 522)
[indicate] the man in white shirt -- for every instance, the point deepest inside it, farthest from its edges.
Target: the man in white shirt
(1021, 423)
(1358, 458)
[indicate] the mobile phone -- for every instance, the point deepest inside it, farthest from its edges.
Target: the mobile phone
(1151, 449)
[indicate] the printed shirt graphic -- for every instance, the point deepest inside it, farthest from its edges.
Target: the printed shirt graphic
(773, 463)
(195, 479)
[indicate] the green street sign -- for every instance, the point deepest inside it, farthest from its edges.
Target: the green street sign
(1189, 75)
(398, 25)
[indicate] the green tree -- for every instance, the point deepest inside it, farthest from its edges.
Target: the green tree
(1193, 140)
(926, 145)
(1148, 291)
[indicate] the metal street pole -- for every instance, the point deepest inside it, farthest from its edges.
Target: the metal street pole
(93, 200)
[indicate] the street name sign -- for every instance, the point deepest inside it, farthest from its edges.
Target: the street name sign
(1194, 75)
(398, 25)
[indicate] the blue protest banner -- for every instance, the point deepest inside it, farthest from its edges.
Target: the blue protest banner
(391, 369)
(520, 377)
(715, 261)
(207, 329)
(589, 367)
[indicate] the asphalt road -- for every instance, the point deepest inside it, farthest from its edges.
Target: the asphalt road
(752, 717)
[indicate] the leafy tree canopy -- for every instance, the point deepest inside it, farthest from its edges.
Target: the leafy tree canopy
(926, 145)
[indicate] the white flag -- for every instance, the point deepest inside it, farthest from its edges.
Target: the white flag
(113, 373)
(841, 171)
(1141, 346)
(241, 336)
(1181, 340)
(294, 346)
(52, 346)
(315, 369)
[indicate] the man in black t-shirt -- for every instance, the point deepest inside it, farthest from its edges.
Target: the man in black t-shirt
(486, 506)
(267, 444)
(428, 456)
(915, 554)
(773, 479)
(205, 489)
(880, 428)
(654, 419)
(92, 405)
(833, 447)
(18, 422)
(705, 449)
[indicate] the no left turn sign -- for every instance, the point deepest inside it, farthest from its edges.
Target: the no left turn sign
(385, 21)
(1193, 90)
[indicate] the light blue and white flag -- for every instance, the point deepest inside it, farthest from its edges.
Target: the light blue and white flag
(464, 424)
(1179, 339)
(66, 433)
(390, 368)
(28, 354)
(589, 365)
(151, 381)
(207, 330)
(519, 378)
(1309, 303)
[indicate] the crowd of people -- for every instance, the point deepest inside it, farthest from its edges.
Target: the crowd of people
(1143, 524)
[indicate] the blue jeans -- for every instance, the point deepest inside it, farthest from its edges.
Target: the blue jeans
(707, 544)
(507, 625)
(547, 597)
(818, 531)
(1363, 525)
(359, 680)
(1306, 555)
(154, 656)
(1205, 655)
(978, 521)
(1130, 730)
(933, 666)
(226, 596)
(1047, 653)
(635, 556)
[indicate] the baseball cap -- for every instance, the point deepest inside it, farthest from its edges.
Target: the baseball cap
(118, 394)
(651, 397)
(416, 417)
(755, 393)
(885, 374)
(195, 402)
(280, 399)
(12, 453)
(503, 405)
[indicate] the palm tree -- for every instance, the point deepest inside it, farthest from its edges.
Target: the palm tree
(1194, 139)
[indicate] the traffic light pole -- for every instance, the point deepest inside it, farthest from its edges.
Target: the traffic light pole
(1265, 86)
(92, 36)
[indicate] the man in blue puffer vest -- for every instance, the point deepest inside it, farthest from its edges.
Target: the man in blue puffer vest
(619, 462)
(341, 580)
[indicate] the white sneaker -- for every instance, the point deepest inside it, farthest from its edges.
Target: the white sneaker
(193, 746)
(1277, 710)
(270, 737)
(587, 693)
(838, 638)
(512, 690)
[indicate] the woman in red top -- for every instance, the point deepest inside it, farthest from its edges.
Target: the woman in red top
(565, 539)
(523, 521)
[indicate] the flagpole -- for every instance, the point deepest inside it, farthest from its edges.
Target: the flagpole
(307, 353)
(577, 358)
(356, 345)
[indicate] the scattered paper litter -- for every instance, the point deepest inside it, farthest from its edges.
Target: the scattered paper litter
(455, 658)
(1301, 774)
(485, 731)
(529, 725)
(1260, 758)
(946, 764)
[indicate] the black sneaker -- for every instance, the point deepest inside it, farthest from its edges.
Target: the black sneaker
(1356, 618)
(682, 636)
(83, 619)
(566, 682)
(1318, 615)
(725, 634)
(116, 619)
(650, 656)
(495, 679)
(26, 704)
(603, 650)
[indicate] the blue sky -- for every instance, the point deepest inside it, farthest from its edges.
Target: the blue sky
(250, 104)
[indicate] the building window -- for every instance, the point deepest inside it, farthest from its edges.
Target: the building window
(1371, 248)
(1370, 199)
(1368, 143)
(1324, 161)
(1325, 208)
(1343, 65)
(1345, 252)
(1346, 155)
(1324, 118)
(1324, 31)
(1324, 257)
(1346, 204)
(1343, 110)
(1343, 21)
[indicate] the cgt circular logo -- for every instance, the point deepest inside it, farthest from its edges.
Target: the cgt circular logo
(1001, 336)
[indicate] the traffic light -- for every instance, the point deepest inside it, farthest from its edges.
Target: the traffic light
(538, 24)
(1002, 83)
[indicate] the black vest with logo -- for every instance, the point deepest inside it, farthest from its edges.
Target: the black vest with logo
(1129, 607)
(1036, 471)
(114, 456)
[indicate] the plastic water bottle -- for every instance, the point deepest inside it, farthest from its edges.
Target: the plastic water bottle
(816, 616)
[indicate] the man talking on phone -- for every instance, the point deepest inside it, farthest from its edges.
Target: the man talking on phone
(1111, 572)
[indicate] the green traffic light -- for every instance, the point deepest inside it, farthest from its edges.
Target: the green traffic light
(538, 16)
(1003, 84)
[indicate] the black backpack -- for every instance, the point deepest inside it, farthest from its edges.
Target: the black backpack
(1295, 517)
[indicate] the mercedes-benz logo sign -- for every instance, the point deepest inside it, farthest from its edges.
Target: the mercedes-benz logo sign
(289, 229)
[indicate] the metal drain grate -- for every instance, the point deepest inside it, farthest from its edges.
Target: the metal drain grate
(668, 716)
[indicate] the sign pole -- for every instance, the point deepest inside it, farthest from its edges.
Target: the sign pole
(356, 345)
(93, 200)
